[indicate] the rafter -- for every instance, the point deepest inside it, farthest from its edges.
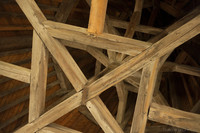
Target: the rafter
(80, 35)
(15, 72)
(174, 117)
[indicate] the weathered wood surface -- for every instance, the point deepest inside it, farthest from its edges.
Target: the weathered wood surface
(50, 116)
(80, 35)
(158, 49)
(139, 28)
(103, 116)
(15, 72)
(145, 94)
(174, 117)
(135, 18)
(58, 51)
(39, 71)
(176, 67)
(96, 106)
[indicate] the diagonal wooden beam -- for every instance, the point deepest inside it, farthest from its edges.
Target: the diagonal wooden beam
(52, 115)
(174, 117)
(157, 50)
(39, 71)
(135, 18)
(59, 52)
(15, 72)
(103, 116)
(80, 35)
(65, 8)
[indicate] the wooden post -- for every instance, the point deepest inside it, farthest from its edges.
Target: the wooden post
(39, 68)
(97, 16)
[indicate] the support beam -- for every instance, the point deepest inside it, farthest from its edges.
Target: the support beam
(174, 117)
(54, 128)
(97, 16)
(15, 72)
(59, 52)
(96, 106)
(39, 71)
(135, 18)
(157, 50)
(80, 35)
(145, 94)
(122, 95)
(103, 116)
(65, 9)
(175, 67)
(140, 28)
(52, 115)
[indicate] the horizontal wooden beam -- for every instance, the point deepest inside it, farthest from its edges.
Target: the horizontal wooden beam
(54, 128)
(139, 28)
(15, 72)
(81, 36)
(53, 114)
(174, 117)
(186, 69)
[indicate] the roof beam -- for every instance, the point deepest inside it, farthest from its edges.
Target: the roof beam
(50, 116)
(111, 42)
(65, 9)
(174, 117)
(59, 52)
(39, 71)
(157, 50)
(15, 72)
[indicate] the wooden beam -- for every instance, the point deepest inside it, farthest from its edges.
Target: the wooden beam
(97, 16)
(157, 50)
(139, 28)
(39, 71)
(96, 106)
(174, 117)
(15, 72)
(99, 55)
(176, 67)
(59, 52)
(54, 128)
(135, 18)
(103, 116)
(52, 115)
(122, 95)
(65, 9)
(196, 108)
(80, 35)
(145, 94)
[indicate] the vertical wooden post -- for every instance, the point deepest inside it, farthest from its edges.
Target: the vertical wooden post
(95, 105)
(39, 69)
(144, 98)
(97, 16)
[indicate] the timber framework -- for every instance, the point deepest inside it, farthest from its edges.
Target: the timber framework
(127, 59)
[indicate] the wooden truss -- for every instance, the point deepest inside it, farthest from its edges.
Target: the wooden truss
(126, 57)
